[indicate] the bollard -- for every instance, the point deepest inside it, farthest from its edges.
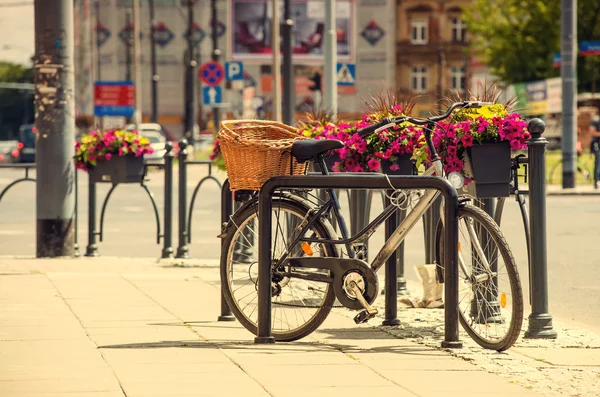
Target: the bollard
(167, 251)
(391, 271)
(92, 248)
(360, 209)
(540, 320)
(401, 280)
(430, 222)
(226, 211)
(182, 248)
(76, 214)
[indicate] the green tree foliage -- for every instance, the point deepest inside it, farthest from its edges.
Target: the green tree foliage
(517, 38)
(16, 106)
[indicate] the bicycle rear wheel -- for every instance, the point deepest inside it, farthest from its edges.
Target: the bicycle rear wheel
(298, 306)
(490, 295)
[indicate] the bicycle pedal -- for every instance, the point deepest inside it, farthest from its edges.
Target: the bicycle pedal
(365, 316)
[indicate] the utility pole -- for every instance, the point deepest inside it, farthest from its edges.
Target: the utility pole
(568, 71)
(288, 67)
(153, 66)
(216, 53)
(137, 64)
(55, 123)
(128, 76)
(330, 89)
(276, 106)
(190, 62)
(96, 56)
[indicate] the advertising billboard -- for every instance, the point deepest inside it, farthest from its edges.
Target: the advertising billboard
(251, 23)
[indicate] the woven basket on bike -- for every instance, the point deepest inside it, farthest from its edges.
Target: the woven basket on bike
(256, 150)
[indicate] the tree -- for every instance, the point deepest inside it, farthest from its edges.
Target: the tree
(16, 106)
(517, 38)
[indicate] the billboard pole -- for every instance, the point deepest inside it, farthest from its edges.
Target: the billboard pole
(216, 53)
(276, 106)
(330, 89)
(288, 67)
(137, 67)
(568, 30)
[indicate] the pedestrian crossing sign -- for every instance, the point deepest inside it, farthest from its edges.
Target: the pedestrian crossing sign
(346, 73)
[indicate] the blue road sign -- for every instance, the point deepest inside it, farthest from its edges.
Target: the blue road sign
(346, 73)
(589, 48)
(197, 34)
(234, 71)
(212, 95)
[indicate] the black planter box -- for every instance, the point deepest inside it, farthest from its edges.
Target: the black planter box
(119, 169)
(489, 164)
(404, 162)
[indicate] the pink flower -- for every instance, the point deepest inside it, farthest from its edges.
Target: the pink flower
(467, 140)
(120, 151)
(108, 156)
(515, 144)
(394, 167)
(374, 164)
(92, 157)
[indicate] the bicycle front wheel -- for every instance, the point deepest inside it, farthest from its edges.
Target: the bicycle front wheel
(299, 306)
(490, 300)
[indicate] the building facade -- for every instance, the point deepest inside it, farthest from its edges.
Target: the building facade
(431, 58)
(364, 33)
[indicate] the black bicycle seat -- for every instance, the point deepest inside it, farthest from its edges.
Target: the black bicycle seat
(312, 148)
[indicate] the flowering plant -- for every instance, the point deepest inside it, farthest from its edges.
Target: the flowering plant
(103, 145)
(216, 156)
(361, 154)
(468, 127)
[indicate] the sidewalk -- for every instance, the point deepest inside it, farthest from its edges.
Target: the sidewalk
(579, 190)
(140, 327)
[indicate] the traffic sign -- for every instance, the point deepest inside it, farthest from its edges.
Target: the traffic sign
(212, 73)
(163, 35)
(212, 95)
(235, 71)
(114, 98)
(197, 34)
(102, 34)
(346, 73)
(589, 48)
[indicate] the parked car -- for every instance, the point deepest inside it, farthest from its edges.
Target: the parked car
(157, 142)
(26, 144)
(8, 151)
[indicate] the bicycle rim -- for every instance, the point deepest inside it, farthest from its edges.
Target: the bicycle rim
(298, 306)
(490, 294)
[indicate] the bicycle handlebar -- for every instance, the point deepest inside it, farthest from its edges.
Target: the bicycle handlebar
(389, 122)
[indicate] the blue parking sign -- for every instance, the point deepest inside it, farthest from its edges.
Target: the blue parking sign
(234, 71)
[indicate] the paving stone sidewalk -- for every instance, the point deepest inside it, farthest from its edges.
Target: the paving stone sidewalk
(140, 327)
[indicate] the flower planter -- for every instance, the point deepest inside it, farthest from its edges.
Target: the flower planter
(404, 162)
(489, 164)
(119, 169)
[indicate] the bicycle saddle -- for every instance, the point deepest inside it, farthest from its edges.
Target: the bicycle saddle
(311, 148)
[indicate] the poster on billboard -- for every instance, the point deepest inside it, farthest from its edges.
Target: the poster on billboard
(251, 29)
(554, 92)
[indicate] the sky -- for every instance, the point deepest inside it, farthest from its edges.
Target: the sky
(16, 31)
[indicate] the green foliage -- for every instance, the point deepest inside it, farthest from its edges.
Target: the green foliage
(517, 38)
(16, 106)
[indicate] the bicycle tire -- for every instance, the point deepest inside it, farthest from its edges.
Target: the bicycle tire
(240, 219)
(467, 320)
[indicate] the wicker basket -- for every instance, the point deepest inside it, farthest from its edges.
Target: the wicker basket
(256, 150)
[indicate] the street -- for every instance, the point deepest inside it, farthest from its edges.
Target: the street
(573, 234)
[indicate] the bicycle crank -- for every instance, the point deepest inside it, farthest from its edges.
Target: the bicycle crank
(355, 284)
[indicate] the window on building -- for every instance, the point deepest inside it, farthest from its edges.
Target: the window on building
(458, 79)
(418, 79)
(419, 31)
(459, 30)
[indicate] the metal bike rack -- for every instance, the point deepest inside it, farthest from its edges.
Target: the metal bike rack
(362, 181)
(226, 212)
(185, 213)
(27, 178)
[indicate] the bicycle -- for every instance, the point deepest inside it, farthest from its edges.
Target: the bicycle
(304, 284)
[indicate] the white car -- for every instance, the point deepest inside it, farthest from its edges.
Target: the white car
(154, 133)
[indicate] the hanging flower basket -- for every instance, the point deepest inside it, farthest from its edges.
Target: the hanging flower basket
(489, 164)
(119, 169)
